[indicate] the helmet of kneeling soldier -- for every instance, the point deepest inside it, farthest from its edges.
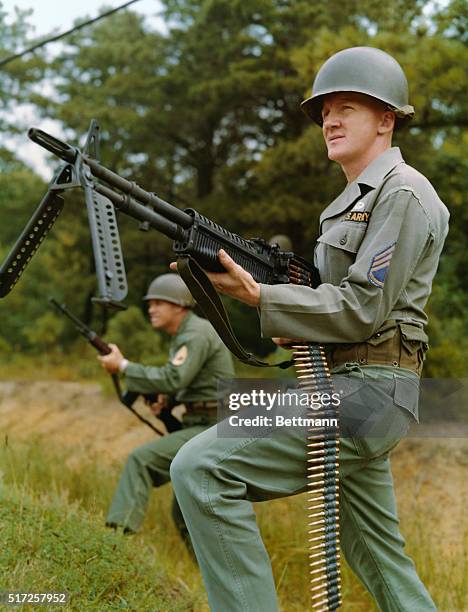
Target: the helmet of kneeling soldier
(170, 288)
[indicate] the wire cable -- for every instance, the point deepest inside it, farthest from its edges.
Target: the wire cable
(10, 58)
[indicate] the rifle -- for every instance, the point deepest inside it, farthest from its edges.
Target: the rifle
(197, 241)
(127, 398)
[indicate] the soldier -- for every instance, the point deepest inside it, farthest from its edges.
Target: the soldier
(197, 359)
(377, 254)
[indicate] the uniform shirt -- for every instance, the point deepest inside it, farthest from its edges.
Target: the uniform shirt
(197, 359)
(378, 251)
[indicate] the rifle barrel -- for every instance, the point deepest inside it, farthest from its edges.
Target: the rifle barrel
(81, 327)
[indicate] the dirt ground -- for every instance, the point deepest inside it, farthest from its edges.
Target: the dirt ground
(73, 415)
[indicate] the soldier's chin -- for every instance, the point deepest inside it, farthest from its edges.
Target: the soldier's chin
(334, 152)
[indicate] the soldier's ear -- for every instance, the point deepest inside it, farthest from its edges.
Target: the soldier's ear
(387, 122)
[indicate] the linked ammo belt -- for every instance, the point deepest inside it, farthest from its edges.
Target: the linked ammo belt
(389, 349)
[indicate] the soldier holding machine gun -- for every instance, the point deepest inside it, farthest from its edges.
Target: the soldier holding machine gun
(377, 254)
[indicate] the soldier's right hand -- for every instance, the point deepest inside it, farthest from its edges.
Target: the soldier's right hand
(160, 404)
(112, 362)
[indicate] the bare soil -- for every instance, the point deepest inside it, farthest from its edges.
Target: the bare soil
(73, 415)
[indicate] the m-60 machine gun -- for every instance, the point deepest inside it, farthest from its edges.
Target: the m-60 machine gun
(197, 241)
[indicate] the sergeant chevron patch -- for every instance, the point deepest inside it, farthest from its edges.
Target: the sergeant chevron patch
(379, 266)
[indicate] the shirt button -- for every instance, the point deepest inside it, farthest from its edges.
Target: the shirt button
(344, 239)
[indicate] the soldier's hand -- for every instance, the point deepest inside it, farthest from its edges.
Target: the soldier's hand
(235, 282)
(111, 362)
(160, 404)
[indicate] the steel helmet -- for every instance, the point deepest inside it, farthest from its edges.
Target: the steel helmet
(171, 288)
(365, 70)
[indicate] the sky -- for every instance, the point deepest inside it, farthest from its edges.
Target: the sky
(53, 16)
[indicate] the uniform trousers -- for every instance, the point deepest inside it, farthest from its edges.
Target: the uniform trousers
(217, 479)
(147, 466)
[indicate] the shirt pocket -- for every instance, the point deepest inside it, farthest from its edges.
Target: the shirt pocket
(344, 236)
(336, 250)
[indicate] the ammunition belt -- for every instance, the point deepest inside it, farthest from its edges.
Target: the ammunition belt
(323, 450)
(388, 348)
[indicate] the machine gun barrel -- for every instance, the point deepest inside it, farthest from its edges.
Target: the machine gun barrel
(68, 153)
(138, 211)
(165, 209)
(162, 216)
(54, 145)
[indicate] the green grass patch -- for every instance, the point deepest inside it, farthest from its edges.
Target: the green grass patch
(52, 512)
(51, 545)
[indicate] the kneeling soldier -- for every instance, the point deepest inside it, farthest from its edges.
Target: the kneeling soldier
(197, 359)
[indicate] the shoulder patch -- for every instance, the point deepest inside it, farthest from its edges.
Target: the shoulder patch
(379, 266)
(180, 357)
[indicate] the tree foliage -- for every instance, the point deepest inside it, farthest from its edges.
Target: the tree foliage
(206, 114)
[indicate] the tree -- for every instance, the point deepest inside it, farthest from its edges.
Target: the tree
(207, 115)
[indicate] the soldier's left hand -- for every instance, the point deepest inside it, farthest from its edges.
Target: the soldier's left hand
(112, 361)
(235, 282)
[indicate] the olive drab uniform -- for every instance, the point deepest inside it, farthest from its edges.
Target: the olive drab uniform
(377, 254)
(197, 360)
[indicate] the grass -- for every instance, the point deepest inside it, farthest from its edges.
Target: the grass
(80, 364)
(51, 521)
(50, 545)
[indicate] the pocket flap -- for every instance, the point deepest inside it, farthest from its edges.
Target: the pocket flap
(407, 394)
(344, 237)
(382, 336)
(412, 332)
